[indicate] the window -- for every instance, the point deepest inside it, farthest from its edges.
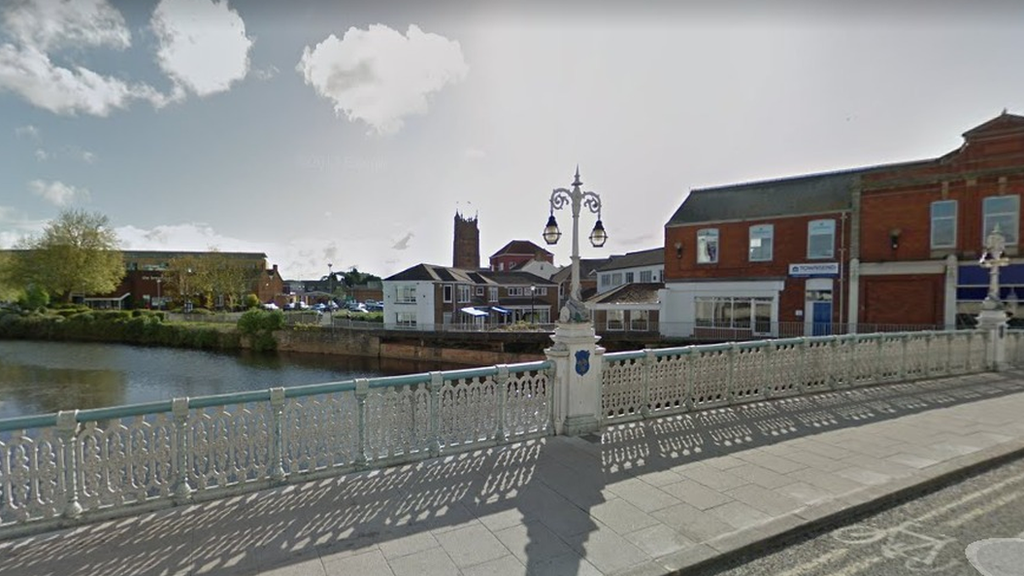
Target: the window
(743, 313)
(405, 294)
(405, 319)
(464, 293)
(615, 319)
(541, 291)
(479, 290)
(446, 290)
(514, 291)
(606, 280)
(494, 294)
(1002, 211)
(761, 242)
(707, 246)
(646, 276)
(629, 277)
(616, 278)
(944, 224)
(821, 239)
(638, 319)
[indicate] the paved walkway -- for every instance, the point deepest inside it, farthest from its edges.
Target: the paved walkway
(643, 498)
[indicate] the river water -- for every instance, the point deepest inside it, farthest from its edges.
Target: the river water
(44, 377)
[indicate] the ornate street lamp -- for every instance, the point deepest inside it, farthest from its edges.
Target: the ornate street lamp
(993, 258)
(574, 311)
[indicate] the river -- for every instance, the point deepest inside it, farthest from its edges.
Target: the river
(44, 377)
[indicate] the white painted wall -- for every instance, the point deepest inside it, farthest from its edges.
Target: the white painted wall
(657, 274)
(423, 308)
(678, 313)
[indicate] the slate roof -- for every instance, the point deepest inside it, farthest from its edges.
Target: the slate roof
(635, 293)
(652, 257)
(587, 268)
(435, 273)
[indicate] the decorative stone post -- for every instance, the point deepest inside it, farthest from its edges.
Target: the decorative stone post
(992, 317)
(577, 387)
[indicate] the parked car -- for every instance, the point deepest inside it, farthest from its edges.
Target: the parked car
(271, 306)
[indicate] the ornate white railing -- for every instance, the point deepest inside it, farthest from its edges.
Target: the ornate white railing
(71, 466)
(650, 383)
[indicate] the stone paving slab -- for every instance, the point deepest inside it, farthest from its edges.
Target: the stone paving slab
(644, 498)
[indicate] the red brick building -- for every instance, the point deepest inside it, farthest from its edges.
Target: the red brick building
(758, 259)
(923, 227)
(517, 253)
(872, 248)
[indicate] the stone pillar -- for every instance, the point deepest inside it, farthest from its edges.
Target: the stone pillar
(994, 322)
(853, 301)
(949, 302)
(577, 381)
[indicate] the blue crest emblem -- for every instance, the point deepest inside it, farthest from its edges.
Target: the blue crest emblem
(582, 362)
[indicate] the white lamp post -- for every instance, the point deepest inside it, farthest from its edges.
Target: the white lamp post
(574, 311)
(993, 316)
(575, 353)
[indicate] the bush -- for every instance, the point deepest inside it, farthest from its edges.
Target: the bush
(34, 298)
(251, 301)
(258, 326)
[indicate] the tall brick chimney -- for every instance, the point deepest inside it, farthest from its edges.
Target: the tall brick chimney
(466, 245)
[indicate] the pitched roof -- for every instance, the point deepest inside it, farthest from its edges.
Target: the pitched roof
(587, 268)
(520, 247)
(652, 257)
(997, 126)
(434, 273)
(636, 293)
(826, 192)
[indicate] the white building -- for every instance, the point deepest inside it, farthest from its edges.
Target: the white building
(645, 266)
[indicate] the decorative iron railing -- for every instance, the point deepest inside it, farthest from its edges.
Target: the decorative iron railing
(651, 383)
(113, 461)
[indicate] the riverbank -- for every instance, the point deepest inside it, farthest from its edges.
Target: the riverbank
(151, 328)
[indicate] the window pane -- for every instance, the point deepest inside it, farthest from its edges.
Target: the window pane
(944, 209)
(994, 204)
(1007, 226)
(707, 246)
(741, 313)
(821, 238)
(943, 233)
(704, 311)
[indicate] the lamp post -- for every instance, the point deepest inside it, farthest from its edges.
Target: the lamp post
(533, 313)
(576, 405)
(330, 288)
(159, 303)
(574, 311)
(188, 295)
(993, 315)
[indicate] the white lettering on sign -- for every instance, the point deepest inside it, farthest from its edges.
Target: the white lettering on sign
(816, 269)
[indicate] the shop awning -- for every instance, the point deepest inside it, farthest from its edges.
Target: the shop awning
(500, 310)
(474, 312)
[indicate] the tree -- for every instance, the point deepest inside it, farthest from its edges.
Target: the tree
(78, 253)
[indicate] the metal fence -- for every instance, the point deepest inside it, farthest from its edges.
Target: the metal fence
(78, 465)
(651, 383)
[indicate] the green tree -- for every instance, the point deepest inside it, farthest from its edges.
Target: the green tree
(78, 253)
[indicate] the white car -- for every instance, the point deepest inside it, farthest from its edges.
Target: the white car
(271, 306)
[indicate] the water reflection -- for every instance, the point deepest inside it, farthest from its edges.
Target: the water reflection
(42, 377)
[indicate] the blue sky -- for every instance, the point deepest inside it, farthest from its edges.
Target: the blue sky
(350, 133)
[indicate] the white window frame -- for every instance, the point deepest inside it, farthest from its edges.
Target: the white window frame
(493, 294)
(479, 290)
(822, 228)
(615, 320)
(629, 277)
(639, 320)
(446, 293)
(405, 319)
(405, 294)
(464, 293)
(764, 237)
(989, 215)
(646, 276)
(707, 246)
(949, 218)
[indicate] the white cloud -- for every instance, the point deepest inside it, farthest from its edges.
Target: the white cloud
(50, 24)
(57, 192)
(41, 154)
(380, 76)
(474, 153)
(28, 131)
(87, 157)
(203, 46)
(40, 26)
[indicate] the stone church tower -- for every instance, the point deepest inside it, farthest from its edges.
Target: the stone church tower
(466, 247)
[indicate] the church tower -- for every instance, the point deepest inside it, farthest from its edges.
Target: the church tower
(466, 247)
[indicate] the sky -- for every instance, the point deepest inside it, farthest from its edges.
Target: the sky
(350, 133)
